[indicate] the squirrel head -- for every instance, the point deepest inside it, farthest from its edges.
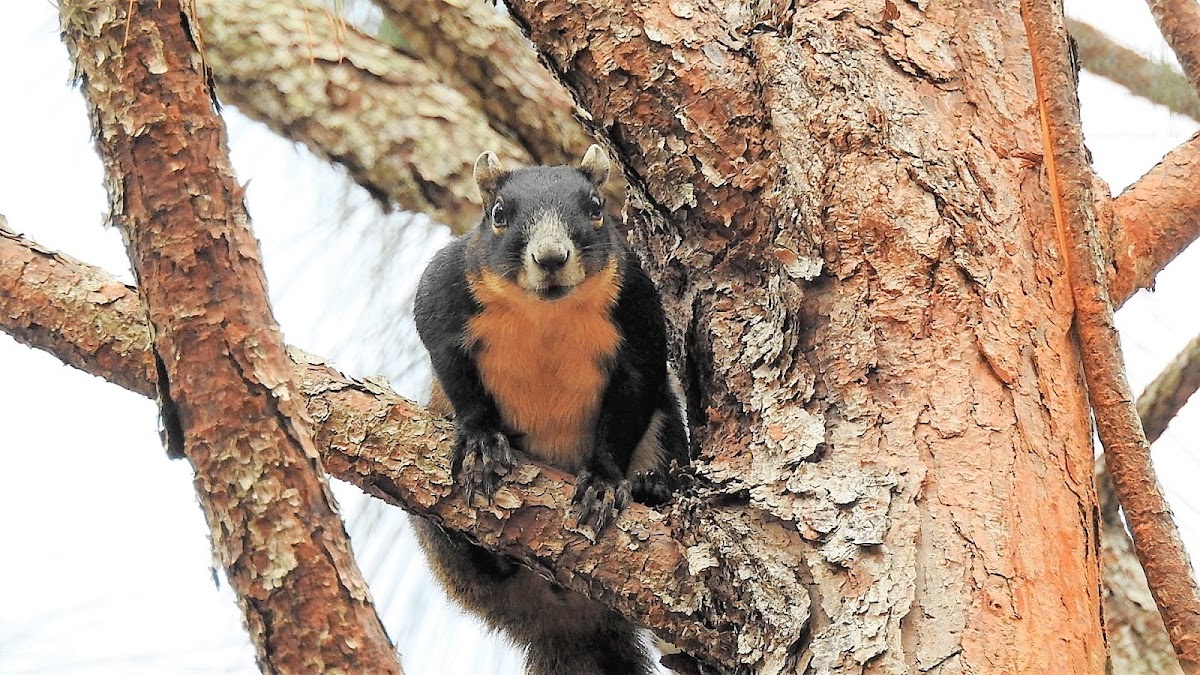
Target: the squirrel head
(544, 227)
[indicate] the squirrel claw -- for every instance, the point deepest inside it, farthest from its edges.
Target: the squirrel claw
(480, 459)
(597, 499)
(650, 488)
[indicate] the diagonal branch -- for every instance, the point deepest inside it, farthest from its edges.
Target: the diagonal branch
(482, 54)
(1155, 81)
(387, 118)
(1168, 393)
(395, 450)
(1155, 535)
(1156, 218)
(1179, 22)
(1137, 637)
(224, 385)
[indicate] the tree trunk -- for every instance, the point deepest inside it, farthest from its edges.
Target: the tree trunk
(847, 210)
(899, 448)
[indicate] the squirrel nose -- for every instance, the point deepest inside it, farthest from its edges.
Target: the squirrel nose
(551, 260)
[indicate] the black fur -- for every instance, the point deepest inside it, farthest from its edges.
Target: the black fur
(563, 633)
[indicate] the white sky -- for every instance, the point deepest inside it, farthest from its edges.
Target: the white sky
(109, 565)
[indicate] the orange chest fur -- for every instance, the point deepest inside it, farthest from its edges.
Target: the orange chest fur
(546, 363)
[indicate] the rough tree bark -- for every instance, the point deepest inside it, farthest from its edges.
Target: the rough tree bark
(1155, 535)
(847, 208)
(224, 388)
(929, 525)
(1137, 639)
(389, 447)
(478, 49)
(1179, 22)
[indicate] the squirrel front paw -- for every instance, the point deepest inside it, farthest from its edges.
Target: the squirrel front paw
(481, 457)
(598, 499)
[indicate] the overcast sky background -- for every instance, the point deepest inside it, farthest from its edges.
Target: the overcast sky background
(107, 566)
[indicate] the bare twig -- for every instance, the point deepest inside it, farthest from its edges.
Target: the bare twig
(1179, 21)
(1155, 81)
(225, 388)
(1155, 535)
(1167, 394)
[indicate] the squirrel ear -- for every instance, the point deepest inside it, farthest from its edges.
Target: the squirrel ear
(488, 172)
(595, 165)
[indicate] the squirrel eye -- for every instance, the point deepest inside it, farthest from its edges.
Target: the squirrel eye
(596, 208)
(498, 216)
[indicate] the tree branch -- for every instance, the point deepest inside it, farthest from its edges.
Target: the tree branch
(1179, 22)
(1137, 639)
(1155, 81)
(224, 383)
(1168, 393)
(1156, 218)
(1155, 535)
(395, 450)
(1156, 407)
(486, 58)
(1137, 636)
(388, 118)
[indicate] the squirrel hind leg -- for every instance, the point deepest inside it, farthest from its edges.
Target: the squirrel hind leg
(615, 648)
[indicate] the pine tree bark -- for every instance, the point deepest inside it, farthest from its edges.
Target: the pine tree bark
(225, 392)
(847, 208)
(900, 446)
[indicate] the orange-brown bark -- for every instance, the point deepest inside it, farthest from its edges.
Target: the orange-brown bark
(1127, 453)
(1155, 219)
(843, 204)
(1179, 21)
(49, 300)
(674, 89)
(223, 380)
(1137, 639)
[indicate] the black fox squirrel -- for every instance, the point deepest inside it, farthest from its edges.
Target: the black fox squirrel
(546, 336)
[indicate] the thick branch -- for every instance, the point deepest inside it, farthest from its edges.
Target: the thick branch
(49, 300)
(1155, 535)
(1154, 81)
(397, 451)
(1156, 218)
(224, 382)
(389, 119)
(483, 55)
(1179, 22)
